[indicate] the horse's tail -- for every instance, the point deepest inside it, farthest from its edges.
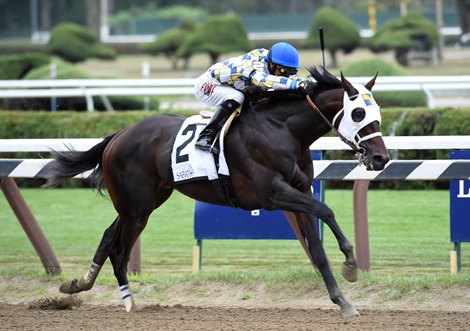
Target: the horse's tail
(71, 163)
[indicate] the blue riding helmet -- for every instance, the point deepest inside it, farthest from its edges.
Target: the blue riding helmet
(284, 54)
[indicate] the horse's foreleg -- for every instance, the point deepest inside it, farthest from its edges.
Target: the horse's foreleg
(310, 237)
(88, 280)
(290, 199)
(349, 269)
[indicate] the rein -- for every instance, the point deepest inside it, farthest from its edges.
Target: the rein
(346, 141)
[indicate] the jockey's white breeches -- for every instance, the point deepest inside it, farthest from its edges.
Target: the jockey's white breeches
(211, 92)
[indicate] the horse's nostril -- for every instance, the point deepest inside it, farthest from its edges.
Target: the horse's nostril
(379, 161)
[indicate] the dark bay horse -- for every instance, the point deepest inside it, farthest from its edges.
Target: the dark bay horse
(267, 151)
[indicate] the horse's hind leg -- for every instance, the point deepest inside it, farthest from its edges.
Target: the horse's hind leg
(135, 204)
(87, 281)
(118, 240)
(116, 243)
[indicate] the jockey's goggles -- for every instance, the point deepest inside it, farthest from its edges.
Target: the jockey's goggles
(287, 71)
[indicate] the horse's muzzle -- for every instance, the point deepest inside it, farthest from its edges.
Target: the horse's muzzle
(376, 161)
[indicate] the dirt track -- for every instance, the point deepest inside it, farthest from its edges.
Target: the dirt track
(156, 317)
(219, 306)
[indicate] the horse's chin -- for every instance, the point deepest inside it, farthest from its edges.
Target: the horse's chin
(373, 166)
(366, 162)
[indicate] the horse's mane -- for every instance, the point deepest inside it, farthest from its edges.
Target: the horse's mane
(323, 81)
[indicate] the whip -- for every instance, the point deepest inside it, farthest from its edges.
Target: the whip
(322, 46)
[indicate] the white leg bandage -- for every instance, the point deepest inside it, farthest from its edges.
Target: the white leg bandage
(127, 298)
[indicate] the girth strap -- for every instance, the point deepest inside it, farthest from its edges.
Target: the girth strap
(223, 186)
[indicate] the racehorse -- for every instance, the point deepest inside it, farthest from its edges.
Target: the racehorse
(267, 152)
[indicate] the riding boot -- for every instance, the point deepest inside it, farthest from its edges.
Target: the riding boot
(207, 136)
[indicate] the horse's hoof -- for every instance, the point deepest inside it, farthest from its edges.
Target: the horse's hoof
(130, 305)
(69, 287)
(349, 312)
(350, 274)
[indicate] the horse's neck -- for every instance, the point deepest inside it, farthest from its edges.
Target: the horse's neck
(303, 122)
(310, 125)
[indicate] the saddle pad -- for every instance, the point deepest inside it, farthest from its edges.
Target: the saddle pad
(190, 163)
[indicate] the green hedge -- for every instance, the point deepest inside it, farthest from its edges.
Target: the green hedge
(65, 124)
(395, 121)
(17, 66)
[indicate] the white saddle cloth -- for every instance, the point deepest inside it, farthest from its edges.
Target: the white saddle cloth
(190, 163)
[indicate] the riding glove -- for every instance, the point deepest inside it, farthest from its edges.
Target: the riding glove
(306, 87)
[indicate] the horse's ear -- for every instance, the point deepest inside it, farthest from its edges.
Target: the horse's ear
(371, 83)
(350, 90)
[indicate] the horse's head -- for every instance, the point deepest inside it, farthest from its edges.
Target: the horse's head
(359, 124)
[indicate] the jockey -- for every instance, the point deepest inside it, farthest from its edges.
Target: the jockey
(223, 84)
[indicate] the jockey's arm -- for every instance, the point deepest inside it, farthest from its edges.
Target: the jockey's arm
(267, 82)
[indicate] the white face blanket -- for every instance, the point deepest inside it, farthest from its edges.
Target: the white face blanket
(347, 127)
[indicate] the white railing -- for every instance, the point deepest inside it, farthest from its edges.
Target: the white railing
(323, 143)
(441, 91)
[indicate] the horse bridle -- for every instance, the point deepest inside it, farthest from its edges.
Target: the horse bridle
(361, 153)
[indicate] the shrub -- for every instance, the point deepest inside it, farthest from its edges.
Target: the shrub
(169, 42)
(340, 32)
(219, 35)
(64, 70)
(75, 43)
(17, 66)
(404, 33)
(67, 124)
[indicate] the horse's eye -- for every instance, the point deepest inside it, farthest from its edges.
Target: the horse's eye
(358, 114)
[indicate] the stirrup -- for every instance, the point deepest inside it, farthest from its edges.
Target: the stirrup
(202, 147)
(208, 148)
(214, 149)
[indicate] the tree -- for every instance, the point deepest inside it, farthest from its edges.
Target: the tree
(404, 33)
(339, 31)
(168, 43)
(220, 34)
(75, 43)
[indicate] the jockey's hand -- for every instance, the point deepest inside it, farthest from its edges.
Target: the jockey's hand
(306, 87)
